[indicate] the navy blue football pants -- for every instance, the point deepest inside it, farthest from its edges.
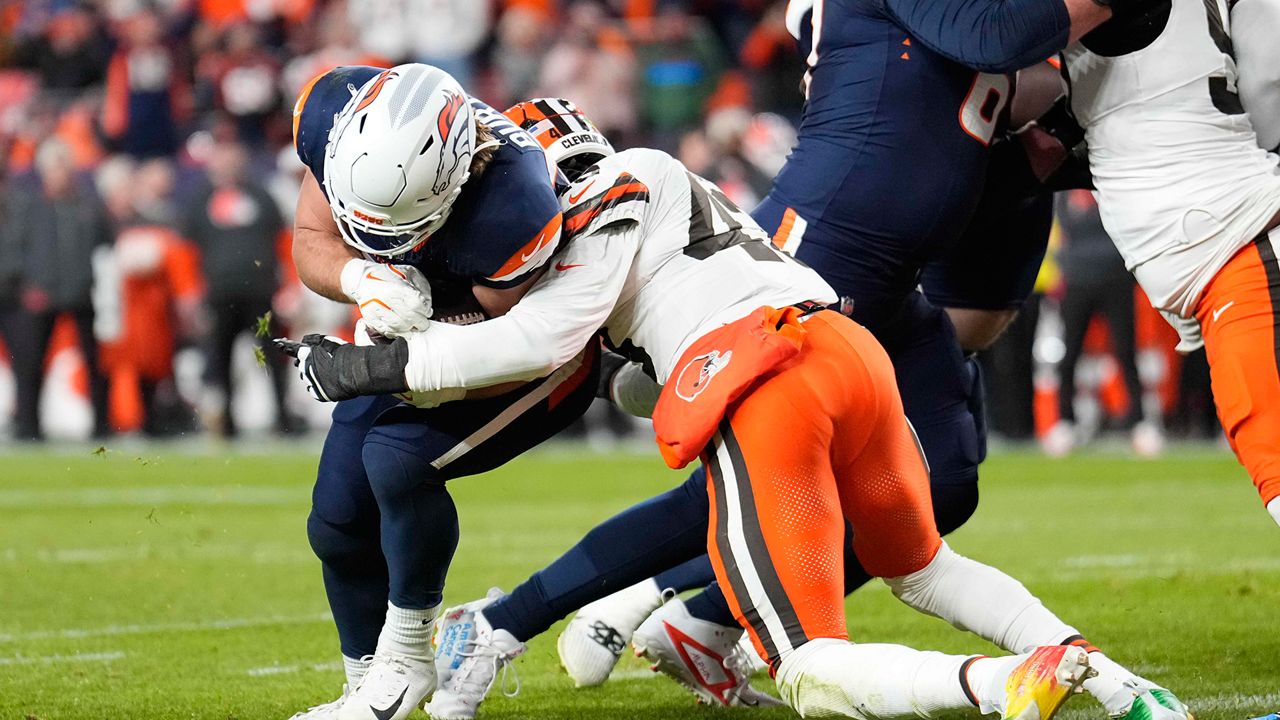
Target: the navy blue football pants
(382, 521)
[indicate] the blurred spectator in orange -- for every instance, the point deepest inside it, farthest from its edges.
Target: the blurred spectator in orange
(151, 300)
(592, 64)
(241, 82)
(67, 50)
(148, 97)
(774, 65)
(56, 228)
(444, 33)
(236, 225)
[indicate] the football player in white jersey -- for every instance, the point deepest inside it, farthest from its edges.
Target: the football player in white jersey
(793, 409)
(1192, 201)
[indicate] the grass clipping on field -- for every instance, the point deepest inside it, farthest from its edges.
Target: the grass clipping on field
(262, 331)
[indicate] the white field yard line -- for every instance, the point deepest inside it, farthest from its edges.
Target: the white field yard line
(1235, 702)
(270, 670)
(264, 554)
(1133, 566)
(110, 656)
(118, 630)
(151, 496)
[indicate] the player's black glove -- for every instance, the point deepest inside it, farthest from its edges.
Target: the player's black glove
(610, 364)
(337, 370)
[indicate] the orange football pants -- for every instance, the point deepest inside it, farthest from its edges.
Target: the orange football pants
(819, 442)
(1239, 314)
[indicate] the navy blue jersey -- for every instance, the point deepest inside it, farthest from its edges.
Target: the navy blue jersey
(893, 143)
(504, 225)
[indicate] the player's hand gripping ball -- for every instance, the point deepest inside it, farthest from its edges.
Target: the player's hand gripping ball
(393, 299)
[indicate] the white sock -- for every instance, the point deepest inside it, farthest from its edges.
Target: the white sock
(355, 668)
(870, 681)
(1273, 507)
(408, 632)
(1109, 687)
(986, 678)
(982, 600)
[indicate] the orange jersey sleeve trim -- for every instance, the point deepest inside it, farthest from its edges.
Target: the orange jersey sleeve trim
(301, 103)
(549, 234)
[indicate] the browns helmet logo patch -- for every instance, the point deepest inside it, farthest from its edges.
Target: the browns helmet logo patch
(696, 375)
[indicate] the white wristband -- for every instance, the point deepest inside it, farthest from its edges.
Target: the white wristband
(350, 277)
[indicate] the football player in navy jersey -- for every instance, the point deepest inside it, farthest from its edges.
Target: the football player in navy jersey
(421, 203)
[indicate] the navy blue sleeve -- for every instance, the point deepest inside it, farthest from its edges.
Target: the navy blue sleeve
(996, 36)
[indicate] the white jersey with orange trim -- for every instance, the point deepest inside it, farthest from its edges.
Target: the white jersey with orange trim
(1181, 182)
(656, 256)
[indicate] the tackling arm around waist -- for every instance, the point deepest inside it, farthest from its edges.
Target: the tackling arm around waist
(547, 328)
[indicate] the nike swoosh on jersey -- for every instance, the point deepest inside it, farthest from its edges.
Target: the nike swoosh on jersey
(1218, 313)
(576, 198)
(562, 267)
(524, 257)
(391, 709)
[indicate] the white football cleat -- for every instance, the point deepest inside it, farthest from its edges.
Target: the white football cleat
(1152, 702)
(327, 711)
(751, 659)
(470, 653)
(594, 639)
(702, 656)
(392, 687)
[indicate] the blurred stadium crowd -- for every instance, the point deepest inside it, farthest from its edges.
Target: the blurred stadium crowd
(148, 180)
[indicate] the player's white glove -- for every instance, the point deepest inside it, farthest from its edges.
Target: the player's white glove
(393, 299)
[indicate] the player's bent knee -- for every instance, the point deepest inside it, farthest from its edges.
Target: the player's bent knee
(394, 471)
(343, 546)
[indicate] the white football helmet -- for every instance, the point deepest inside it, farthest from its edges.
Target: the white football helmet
(397, 157)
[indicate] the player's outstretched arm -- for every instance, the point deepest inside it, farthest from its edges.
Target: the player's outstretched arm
(1001, 36)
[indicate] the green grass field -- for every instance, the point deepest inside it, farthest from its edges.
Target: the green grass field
(179, 586)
